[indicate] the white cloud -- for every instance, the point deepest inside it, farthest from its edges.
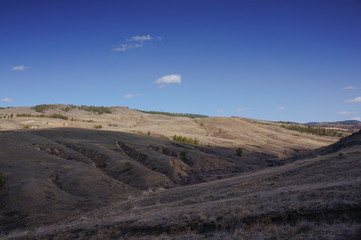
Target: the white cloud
(18, 68)
(346, 113)
(281, 108)
(350, 88)
(140, 38)
(356, 118)
(131, 95)
(172, 78)
(356, 99)
(162, 86)
(220, 111)
(7, 100)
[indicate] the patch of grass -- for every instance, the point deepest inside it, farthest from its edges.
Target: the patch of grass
(113, 125)
(98, 126)
(26, 127)
(43, 107)
(189, 115)
(98, 110)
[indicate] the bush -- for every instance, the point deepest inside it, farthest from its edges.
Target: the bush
(2, 180)
(128, 167)
(26, 127)
(98, 126)
(239, 152)
(182, 155)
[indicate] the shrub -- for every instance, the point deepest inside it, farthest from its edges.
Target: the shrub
(26, 127)
(98, 126)
(128, 167)
(239, 152)
(182, 155)
(2, 180)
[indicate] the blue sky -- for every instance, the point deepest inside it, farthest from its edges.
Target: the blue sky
(274, 60)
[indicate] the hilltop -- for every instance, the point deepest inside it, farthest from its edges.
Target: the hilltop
(251, 135)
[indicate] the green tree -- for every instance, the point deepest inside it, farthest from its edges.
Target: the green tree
(239, 152)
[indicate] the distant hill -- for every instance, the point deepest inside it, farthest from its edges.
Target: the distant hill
(351, 125)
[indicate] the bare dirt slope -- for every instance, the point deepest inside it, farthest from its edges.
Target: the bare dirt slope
(317, 197)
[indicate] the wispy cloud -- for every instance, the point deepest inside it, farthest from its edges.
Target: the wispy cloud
(281, 108)
(134, 42)
(350, 88)
(220, 111)
(140, 38)
(122, 48)
(346, 113)
(356, 99)
(18, 68)
(243, 109)
(356, 118)
(7, 100)
(168, 79)
(131, 95)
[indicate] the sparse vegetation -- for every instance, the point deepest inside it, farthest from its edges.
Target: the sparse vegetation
(90, 120)
(189, 115)
(98, 110)
(26, 127)
(43, 107)
(185, 139)
(55, 115)
(113, 125)
(182, 155)
(128, 167)
(313, 130)
(68, 108)
(239, 152)
(98, 126)
(2, 180)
